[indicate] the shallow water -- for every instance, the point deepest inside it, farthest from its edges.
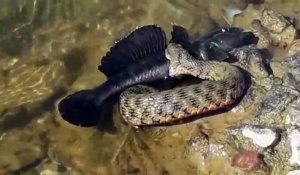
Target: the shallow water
(51, 48)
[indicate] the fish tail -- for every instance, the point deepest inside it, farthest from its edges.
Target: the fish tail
(83, 108)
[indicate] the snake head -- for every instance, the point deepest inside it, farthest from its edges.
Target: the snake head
(176, 53)
(172, 51)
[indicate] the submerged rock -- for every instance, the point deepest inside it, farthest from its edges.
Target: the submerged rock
(294, 172)
(28, 84)
(247, 160)
(260, 135)
(293, 137)
(270, 26)
(292, 113)
(271, 106)
(271, 103)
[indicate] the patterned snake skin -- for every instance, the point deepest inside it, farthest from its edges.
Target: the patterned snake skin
(222, 85)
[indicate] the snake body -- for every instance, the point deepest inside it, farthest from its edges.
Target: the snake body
(222, 85)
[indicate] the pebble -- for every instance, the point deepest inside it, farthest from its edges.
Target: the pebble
(294, 172)
(293, 136)
(260, 136)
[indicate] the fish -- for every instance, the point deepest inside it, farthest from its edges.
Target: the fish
(139, 58)
(217, 44)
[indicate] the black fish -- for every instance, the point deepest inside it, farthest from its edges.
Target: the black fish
(137, 58)
(217, 44)
(140, 58)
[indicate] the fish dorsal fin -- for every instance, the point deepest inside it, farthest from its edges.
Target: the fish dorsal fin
(139, 44)
(180, 36)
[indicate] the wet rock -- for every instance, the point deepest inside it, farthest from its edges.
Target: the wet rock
(271, 27)
(245, 18)
(289, 72)
(274, 28)
(49, 167)
(252, 96)
(199, 142)
(251, 59)
(292, 66)
(261, 136)
(293, 113)
(217, 150)
(293, 136)
(291, 83)
(293, 61)
(262, 33)
(269, 110)
(247, 160)
(294, 48)
(276, 158)
(294, 172)
(274, 97)
(274, 21)
(19, 150)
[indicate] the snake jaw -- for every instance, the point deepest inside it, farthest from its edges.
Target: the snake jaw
(174, 53)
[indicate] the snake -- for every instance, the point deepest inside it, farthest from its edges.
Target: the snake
(222, 84)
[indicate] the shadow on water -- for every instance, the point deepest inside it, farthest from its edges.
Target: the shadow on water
(106, 123)
(74, 60)
(24, 116)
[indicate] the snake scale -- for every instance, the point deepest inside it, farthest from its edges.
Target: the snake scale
(222, 85)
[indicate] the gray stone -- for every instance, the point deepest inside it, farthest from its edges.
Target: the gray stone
(293, 136)
(260, 136)
(294, 172)
(293, 113)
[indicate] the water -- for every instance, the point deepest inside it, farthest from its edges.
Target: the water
(51, 48)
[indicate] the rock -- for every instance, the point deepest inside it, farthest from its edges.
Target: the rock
(217, 150)
(252, 95)
(274, 21)
(247, 160)
(271, 27)
(19, 150)
(286, 37)
(262, 33)
(50, 167)
(293, 61)
(251, 59)
(294, 172)
(281, 31)
(269, 109)
(292, 65)
(293, 136)
(294, 48)
(250, 13)
(260, 136)
(293, 113)
(199, 142)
